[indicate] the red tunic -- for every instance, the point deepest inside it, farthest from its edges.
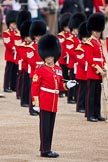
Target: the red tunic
(17, 42)
(71, 44)
(99, 5)
(22, 53)
(34, 60)
(38, 58)
(94, 56)
(62, 38)
(53, 81)
(11, 41)
(81, 73)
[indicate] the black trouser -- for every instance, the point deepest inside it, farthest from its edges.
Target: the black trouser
(30, 100)
(19, 84)
(93, 98)
(47, 120)
(25, 88)
(10, 76)
(72, 92)
(81, 95)
(65, 75)
(65, 71)
(14, 77)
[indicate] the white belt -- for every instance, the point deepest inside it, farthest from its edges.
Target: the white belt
(75, 67)
(15, 55)
(97, 59)
(39, 62)
(20, 64)
(67, 58)
(50, 90)
(29, 69)
(86, 66)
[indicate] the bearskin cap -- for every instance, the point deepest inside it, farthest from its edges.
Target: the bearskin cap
(83, 32)
(11, 16)
(38, 27)
(23, 16)
(24, 29)
(96, 22)
(49, 45)
(64, 20)
(76, 19)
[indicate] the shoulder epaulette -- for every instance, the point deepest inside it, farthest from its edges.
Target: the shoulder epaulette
(31, 46)
(70, 38)
(61, 34)
(18, 33)
(79, 48)
(89, 43)
(7, 31)
(22, 44)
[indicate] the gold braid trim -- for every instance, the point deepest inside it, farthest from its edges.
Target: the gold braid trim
(79, 48)
(61, 34)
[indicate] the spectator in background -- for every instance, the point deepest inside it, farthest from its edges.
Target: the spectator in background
(7, 6)
(88, 7)
(24, 4)
(35, 8)
(16, 5)
(20, 5)
(71, 6)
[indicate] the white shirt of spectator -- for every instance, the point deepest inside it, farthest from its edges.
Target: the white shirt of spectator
(16, 5)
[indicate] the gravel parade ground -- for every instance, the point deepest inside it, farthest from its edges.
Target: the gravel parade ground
(75, 139)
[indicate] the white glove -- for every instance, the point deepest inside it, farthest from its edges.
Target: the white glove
(37, 109)
(71, 83)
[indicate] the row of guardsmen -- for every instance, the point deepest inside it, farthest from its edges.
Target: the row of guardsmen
(82, 58)
(21, 55)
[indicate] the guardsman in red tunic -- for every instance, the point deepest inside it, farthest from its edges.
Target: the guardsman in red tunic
(23, 65)
(71, 44)
(37, 30)
(80, 76)
(62, 35)
(88, 7)
(96, 67)
(47, 81)
(10, 39)
(22, 16)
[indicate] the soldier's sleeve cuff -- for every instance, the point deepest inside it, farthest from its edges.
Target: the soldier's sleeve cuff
(65, 86)
(36, 101)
